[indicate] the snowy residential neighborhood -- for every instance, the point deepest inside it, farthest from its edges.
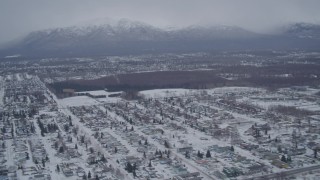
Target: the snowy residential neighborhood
(222, 132)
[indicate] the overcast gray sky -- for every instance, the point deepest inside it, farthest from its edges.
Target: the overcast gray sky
(18, 17)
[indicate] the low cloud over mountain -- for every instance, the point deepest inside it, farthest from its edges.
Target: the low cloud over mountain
(132, 37)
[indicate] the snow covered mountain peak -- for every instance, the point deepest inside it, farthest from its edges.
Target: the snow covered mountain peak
(107, 23)
(304, 30)
(125, 36)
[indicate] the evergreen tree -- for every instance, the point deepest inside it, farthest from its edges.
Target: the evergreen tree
(134, 174)
(56, 145)
(66, 128)
(289, 159)
(150, 165)
(279, 149)
(3, 130)
(129, 167)
(61, 149)
(76, 146)
(42, 133)
(187, 154)
(96, 135)
(208, 155)
(59, 135)
(89, 175)
(166, 144)
(283, 158)
(134, 167)
(199, 154)
(58, 168)
(232, 148)
(103, 159)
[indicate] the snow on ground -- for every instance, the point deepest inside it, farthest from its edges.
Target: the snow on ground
(8, 77)
(191, 136)
(108, 100)
(103, 92)
(61, 104)
(267, 104)
(303, 90)
(156, 93)
(311, 175)
(223, 90)
(296, 103)
(79, 101)
(311, 107)
(18, 77)
(159, 93)
(1, 90)
(99, 92)
(28, 76)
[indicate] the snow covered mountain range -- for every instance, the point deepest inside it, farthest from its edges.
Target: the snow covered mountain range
(132, 37)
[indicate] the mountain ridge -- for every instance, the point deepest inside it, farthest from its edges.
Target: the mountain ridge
(134, 37)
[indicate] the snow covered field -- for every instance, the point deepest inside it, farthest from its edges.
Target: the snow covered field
(79, 101)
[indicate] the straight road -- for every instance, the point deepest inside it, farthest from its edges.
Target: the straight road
(284, 174)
